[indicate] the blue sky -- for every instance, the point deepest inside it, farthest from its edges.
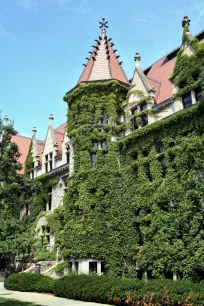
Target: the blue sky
(43, 44)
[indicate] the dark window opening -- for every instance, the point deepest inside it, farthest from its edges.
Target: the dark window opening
(27, 208)
(144, 120)
(93, 267)
(134, 111)
(143, 106)
(51, 155)
(187, 100)
(32, 174)
(50, 202)
(46, 167)
(147, 169)
(50, 165)
(145, 153)
(95, 121)
(46, 157)
(68, 157)
(134, 124)
(103, 145)
(196, 77)
(139, 274)
(75, 267)
(103, 268)
(104, 118)
(198, 94)
(93, 160)
(163, 165)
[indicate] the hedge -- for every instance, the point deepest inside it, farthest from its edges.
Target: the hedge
(29, 282)
(115, 291)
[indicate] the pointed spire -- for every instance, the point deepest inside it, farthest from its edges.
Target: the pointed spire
(34, 131)
(103, 64)
(51, 118)
(137, 59)
(186, 23)
(6, 120)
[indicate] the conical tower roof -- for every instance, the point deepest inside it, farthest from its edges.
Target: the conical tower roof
(103, 63)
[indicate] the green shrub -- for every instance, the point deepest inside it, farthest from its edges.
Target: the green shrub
(30, 282)
(115, 291)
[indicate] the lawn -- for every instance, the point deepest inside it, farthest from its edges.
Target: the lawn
(7, 302)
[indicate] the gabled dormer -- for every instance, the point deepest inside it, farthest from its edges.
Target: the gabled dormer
(50, 148)
(140, 99)
(188, 74)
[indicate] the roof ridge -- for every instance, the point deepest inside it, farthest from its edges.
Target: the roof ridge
(153, 80)
(18, 135)
(174, 50)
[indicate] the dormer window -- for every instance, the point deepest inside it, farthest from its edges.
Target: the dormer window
(48, 161)
(187, 100)
(143, 106)
(198, 94)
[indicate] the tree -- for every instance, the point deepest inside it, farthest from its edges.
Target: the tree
(15, 235)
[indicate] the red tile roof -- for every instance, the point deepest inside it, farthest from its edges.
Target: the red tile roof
(61, 128)
(161, 73)
(23, 144)
(110, 66)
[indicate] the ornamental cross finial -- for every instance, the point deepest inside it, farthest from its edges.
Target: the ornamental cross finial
(34, 130)
(185, 22)
(137, 59)
(103, 27)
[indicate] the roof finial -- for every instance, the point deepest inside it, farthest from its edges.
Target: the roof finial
(103, 27)
(137, 59)
(6, 120)
(34, 131)
(51, 118)
(186, 23)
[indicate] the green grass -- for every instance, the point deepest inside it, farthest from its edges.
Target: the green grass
(8, 302)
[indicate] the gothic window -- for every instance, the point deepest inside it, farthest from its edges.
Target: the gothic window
(143, 106)
(104, 119)
(46, 163)
(147, 170)
(100, 145)
(198, 94)
(187, 100)
(49, 206)
(134, 124)
(93, 160)
(144, 120)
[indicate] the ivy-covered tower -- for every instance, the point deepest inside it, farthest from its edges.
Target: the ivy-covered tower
(94, 219)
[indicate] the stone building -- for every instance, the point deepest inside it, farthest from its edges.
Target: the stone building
(150, 99)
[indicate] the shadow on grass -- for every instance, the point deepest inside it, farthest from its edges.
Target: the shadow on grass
(7, 302)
